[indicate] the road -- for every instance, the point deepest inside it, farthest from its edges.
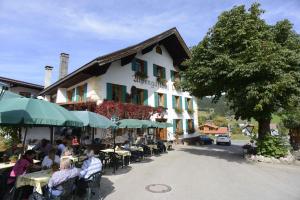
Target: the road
(207, 172)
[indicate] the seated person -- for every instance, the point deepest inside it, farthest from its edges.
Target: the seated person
(65, 173)
(60, 147)
(91, 165)
(50, 159)
(68, 151)
(22, 166)
(126, 145)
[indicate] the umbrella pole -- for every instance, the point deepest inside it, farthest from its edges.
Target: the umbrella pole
(51, 135)
(24, 139)
(114, 135)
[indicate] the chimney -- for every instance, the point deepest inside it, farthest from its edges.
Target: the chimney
(63, 66)
(48, 74)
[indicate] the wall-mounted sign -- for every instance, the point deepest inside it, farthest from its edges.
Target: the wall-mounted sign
(152, 84)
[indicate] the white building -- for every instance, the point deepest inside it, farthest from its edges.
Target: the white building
(145, 74)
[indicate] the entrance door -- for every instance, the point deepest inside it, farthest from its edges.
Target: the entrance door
(161, 134)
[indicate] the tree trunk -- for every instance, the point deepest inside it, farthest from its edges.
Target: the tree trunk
(263, 128)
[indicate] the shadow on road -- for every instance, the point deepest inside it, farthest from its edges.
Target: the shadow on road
(106, 187)
(233, 153)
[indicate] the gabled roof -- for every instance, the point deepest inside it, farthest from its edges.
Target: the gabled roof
(14, 83)
(170, 39)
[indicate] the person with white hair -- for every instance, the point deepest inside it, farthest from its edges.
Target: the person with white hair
(65, 173)
(91, 165)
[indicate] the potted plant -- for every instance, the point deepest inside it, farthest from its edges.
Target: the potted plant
(178, 110)
(13, 158)
(140, 75)
(161, 80)
(191, 130)
(190, 111)
(177, 84)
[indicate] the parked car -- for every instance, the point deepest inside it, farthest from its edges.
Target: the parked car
(223, 139)
(204, 139)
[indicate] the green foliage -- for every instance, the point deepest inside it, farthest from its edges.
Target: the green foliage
(178, 110)
(201, 119)
(291, 118)
(8, 137)
(272, 146)
(177, 84)
(255, 64)
(220, 121)
(220, 107)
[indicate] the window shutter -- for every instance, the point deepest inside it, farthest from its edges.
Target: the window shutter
(108, 91)
(180, 102)
(133, 65)
(174, 126)
(85, 92)
(145, 68)
(186, 103)
(165, 101)
(77, 93)
(73, 94)
(164, 73)
(123, 93)
(192, 102)
(181, 124)
(154, 70)
(186, 125)
(172, 75)
(145, 97)
(173, 102)
(155, 99)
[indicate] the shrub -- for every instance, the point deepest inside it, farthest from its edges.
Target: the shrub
(272, 146)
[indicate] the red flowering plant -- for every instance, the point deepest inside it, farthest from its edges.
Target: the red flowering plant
(127, 110)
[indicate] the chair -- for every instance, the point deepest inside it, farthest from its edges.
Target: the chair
(115, 159)
(104, 157)
(67, 192)
(93, 181)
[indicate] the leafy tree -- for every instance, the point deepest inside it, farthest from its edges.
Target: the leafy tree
(255, 64)
(220, 121)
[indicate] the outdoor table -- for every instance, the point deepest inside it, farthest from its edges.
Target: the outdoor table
(135, 148)
(9, 164)
(152, 146)
(122, 153)
(35, 179)
(72, 158)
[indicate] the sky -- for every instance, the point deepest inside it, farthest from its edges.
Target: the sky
(33, 33)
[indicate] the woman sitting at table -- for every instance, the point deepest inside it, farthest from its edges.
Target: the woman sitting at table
(22, 166)
(68, 151)
(50, 159)
(65, 173)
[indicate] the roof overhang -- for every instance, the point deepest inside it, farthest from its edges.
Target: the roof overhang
(170, 39)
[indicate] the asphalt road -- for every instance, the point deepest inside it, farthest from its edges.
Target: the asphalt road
(208, 172)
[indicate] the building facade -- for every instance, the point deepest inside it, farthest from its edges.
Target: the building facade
(145, 74)
(22, 88)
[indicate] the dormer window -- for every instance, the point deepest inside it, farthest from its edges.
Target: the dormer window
(158, 50)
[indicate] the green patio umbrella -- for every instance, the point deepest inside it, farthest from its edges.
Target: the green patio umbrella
(35, 112)
(165, 125)
(9, 95)
(131, 123)
(148, 124)
(93, 120)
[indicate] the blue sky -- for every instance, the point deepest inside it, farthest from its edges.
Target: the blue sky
(34, 32)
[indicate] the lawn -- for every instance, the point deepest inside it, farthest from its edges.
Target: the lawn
(239, 137)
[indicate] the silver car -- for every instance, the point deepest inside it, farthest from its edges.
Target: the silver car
(223, 139)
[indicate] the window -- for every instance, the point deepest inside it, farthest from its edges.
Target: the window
(140, 97)
(177, 103)
(177, 126)
(116, 92)
(78, 94)
(139, 66)
(190, 126)
(160, 100)
(175, 76)
(189, 105)
(158, 50)
(25, 94)
(159, 71)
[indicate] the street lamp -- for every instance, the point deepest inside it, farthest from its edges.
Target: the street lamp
(4, 87)
(114, 119)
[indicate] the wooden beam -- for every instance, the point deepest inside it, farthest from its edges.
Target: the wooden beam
(148, 49)
(126, 60)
